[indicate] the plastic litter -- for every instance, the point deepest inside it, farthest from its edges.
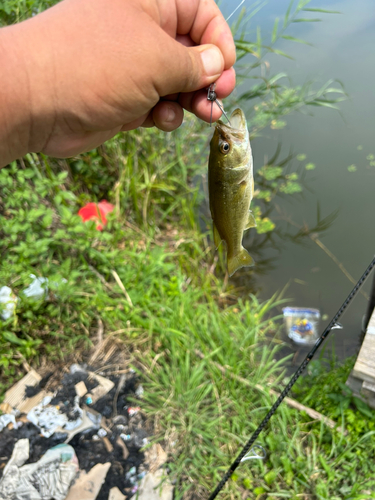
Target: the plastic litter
(139, 438)
(125, 437)
(49, 419)
(94, 416)
(139, 391)
(302, 324)
(131, 475)
(8, 302)
(85, 425)
(133, 410)
(38, 288)
(96, 211)
(76, 368)
(49, 478)
(5, 420)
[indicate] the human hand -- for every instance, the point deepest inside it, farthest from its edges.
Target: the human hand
(87, 69)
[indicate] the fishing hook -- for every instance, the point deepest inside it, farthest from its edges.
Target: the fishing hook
(211, 96)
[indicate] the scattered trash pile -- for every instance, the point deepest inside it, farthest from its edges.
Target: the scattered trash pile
(76, 436)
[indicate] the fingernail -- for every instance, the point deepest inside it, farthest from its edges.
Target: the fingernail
(212, 61)
(170, 115)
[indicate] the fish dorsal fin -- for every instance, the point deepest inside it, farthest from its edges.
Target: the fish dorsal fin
(250, 220)
(217, 238)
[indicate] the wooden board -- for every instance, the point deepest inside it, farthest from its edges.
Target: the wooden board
(364, 367)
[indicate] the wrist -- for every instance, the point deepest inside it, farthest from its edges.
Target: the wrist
(23, 120)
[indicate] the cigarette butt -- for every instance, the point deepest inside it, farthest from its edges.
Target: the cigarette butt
(107, 444)
(125, 451)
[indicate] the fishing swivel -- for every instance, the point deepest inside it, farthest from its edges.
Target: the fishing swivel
(212, 97)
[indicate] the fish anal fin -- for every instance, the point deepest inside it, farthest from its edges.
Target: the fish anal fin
(242, 259)
(217, 238)
(250, 220)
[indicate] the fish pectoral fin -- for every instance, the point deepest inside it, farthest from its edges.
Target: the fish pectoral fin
(242, 259)
(217, 238)
(250, 220)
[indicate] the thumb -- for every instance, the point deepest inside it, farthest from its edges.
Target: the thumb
(187, 69)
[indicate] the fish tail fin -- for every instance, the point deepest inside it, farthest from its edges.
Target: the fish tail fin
(242, 259)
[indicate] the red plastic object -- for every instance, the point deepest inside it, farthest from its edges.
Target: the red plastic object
(96, 211)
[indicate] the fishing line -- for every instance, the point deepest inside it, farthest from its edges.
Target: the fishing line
(235, 10)
(332, 325)
(211, 94)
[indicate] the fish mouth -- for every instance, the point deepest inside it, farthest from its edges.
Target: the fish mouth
(237, 121)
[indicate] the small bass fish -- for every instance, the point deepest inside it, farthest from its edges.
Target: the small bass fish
(231, 187)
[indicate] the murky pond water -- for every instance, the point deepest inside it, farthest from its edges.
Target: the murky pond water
(343, 48)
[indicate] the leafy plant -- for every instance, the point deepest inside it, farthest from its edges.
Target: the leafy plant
(14, 11)
(327, 393)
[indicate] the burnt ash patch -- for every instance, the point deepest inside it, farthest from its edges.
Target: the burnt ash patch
(117, 421)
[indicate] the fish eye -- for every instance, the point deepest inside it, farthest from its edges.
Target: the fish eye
(224, 147)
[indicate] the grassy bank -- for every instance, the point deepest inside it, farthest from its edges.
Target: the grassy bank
(171, 306)
(153, 280)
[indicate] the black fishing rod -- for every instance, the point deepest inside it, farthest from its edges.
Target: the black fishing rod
(332, 325)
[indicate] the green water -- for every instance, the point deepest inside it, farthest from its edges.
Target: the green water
(343, 48)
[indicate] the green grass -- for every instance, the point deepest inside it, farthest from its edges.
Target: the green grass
(205, 418)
